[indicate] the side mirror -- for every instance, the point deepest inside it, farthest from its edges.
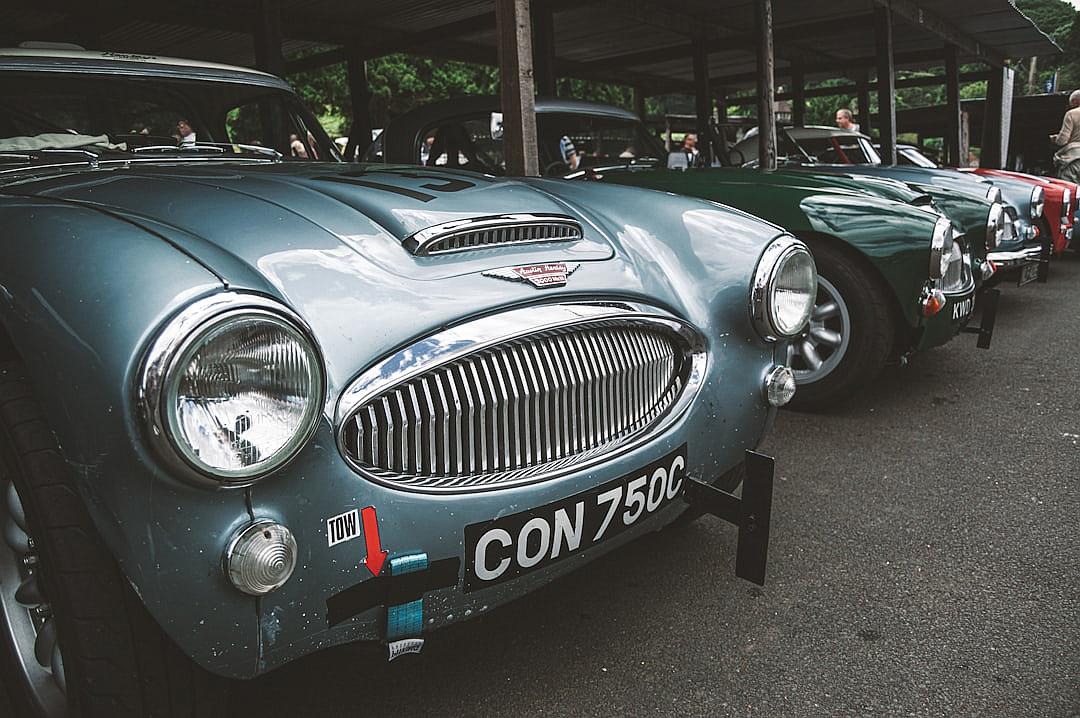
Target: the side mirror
(677, 161)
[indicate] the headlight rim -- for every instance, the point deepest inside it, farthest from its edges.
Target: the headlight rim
(941, 238)
(769, 263)
(161, 359)
(995, 225)
(1038, 202)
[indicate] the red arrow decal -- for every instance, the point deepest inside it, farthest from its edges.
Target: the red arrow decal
(376, 557)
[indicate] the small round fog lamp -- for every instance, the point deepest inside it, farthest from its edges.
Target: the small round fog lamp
(260, 558)
(780, 385)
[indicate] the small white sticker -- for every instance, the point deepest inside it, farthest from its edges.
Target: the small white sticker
(405, 645)
(343, 527)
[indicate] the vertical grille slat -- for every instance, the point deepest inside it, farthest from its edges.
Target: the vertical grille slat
(533, 402)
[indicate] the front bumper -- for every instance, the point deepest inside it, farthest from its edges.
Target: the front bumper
(1006, 260)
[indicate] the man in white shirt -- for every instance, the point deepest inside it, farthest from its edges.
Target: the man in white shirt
(845, 120)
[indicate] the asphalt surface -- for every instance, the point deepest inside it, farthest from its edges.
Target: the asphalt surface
(925, 561)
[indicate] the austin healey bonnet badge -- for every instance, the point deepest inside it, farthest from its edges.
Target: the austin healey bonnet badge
(541, 276)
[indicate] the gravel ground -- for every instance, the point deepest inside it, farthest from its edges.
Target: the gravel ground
(925, 561)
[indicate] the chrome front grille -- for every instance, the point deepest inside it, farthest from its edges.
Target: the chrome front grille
(522, 408)
(492, 231)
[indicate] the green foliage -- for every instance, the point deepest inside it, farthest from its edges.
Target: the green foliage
(1058, 20)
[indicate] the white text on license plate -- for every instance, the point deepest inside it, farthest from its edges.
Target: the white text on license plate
(510, 546)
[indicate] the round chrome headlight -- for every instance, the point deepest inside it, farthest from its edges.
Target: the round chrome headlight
(1037, 203)
(784, 289)
(995, 226)
(941, 248)
(232, 389)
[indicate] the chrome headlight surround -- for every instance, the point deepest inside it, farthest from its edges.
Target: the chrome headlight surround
(1038, 203)
(941, 247)
(993, 194)
(782, 254)
(177, 342)
(995, 225)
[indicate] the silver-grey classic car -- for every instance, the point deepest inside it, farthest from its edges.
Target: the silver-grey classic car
(255, 401)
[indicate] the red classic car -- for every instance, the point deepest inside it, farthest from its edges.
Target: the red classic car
(1061, 200)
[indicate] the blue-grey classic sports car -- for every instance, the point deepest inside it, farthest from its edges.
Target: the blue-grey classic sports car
(253, 407)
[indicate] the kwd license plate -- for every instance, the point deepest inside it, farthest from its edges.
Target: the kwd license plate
(511, 546)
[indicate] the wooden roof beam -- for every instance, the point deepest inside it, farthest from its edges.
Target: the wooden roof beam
(928, 20)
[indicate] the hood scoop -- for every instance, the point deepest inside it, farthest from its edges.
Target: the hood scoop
(464, 235)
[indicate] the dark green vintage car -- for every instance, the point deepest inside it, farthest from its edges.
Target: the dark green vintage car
(895, 274)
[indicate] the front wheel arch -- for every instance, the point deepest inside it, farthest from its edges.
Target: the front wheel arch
(860, 260)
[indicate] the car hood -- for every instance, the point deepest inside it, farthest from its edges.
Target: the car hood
(328, 240)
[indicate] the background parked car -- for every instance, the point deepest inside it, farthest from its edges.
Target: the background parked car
(893, 276)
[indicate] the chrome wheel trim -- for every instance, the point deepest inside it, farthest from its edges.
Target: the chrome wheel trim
(820, 349)
(26, 619)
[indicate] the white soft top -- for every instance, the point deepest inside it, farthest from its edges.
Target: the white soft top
(49, 53)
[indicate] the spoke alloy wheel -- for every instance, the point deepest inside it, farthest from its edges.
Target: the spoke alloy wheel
(26, 620)
(820, 349)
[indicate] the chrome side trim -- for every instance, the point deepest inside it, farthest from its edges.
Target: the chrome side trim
(543, 367)
(463, 235)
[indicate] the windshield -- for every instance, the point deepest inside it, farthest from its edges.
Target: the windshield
(572, 142)
(912, 157)
(840, 150)
(108, 114)
(567, 143)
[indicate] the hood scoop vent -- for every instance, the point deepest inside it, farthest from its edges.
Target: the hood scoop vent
(464, 235)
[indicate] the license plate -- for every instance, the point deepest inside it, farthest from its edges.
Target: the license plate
(1028, 273)
(962, 308)
(514, 545)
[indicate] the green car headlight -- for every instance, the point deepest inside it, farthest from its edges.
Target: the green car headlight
(941, 248)
(784, 289)
(232, 389)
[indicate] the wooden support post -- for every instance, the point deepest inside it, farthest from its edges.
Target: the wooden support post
(766, 85)
(360, 98)
(886, 77)
(267, 32)
(721, 104)
(862, 92)
(639, 103)
(702, 98)
(798, 95)
(952, 108)
(543, 20)
(513, 29)
(996, 116)
(268, 58)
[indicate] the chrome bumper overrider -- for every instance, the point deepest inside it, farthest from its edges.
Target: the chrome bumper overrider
(1018, 258)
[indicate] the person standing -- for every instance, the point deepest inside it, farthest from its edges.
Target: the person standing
(1067, 159)
(845, 120)
(690, 149)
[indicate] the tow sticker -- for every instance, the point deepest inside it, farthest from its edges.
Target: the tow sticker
(343, 527)
(405, 645)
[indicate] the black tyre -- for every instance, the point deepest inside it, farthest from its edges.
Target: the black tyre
(850, 336)
(74, 639)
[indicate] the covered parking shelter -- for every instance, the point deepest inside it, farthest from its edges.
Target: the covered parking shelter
(708, 48)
